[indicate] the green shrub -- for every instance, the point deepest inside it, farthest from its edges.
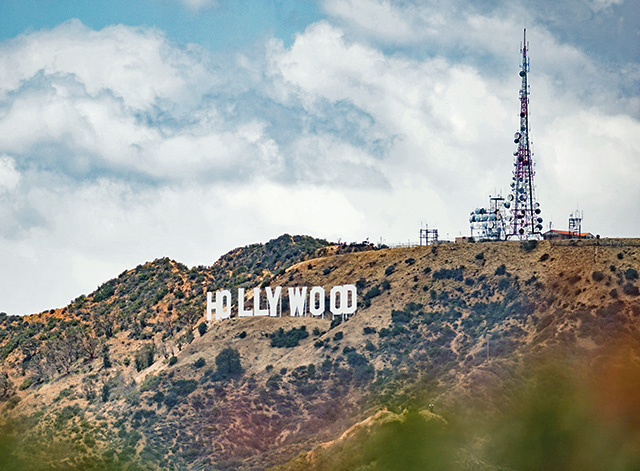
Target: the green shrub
(273, 382)
(173, 360)
(400, 317)
(290, 338)
(106, 390)
(106, 359)
(501, 270)
(150, 383)
(449, 273)
(630, 290)
(26, 383)
(183, 387)
(12, 402)
(362, 370)
(202, 328)
(529, 245)
(144, 356)
(7, 388)
(199, 363)
(105, 291)
(228, 363)
(65, 393)
(370, 294)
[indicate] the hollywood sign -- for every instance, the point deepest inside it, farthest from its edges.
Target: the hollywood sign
(343, 301)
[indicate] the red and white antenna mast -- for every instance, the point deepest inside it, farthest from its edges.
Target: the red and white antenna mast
(524, 221)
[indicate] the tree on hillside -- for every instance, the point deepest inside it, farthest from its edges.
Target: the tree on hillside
(144, 356)
(7, 388)
(228, 363)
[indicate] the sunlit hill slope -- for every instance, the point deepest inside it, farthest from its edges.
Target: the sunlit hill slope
(461, 356)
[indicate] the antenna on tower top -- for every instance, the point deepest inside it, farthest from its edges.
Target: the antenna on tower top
(524, 220)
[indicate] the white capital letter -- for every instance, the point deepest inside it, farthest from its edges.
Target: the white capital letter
(210, 307)
(350, 291)
(256, 304)
(223, 304)
(273, 298)
(241, 310)
(297, 301)
(316, 296)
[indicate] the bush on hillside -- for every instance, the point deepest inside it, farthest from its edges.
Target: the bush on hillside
(501, 270)
(144, 356)
(290, 338)
(228, 363)
(202, 328)
(7, 388)
(449, 273)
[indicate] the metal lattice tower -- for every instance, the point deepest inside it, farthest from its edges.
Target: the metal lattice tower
(524, 221)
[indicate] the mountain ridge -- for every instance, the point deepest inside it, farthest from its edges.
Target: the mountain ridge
(425, 317)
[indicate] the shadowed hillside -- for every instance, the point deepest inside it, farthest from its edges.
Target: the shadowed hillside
(453, 343)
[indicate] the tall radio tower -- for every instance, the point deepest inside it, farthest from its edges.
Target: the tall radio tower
(524, 221)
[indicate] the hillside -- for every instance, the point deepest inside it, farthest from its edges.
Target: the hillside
(453, 343)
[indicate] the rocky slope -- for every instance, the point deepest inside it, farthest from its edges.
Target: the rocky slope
(452, 344)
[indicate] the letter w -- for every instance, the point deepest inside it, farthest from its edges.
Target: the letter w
(298, 301)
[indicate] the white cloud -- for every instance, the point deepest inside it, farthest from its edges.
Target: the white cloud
(9, 176)
(382, 18)
(454, 121)
(598, 5)
(137, 65)
(197, 5)
(117, 146)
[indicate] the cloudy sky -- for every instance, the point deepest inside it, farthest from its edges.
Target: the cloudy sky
(136, 129)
